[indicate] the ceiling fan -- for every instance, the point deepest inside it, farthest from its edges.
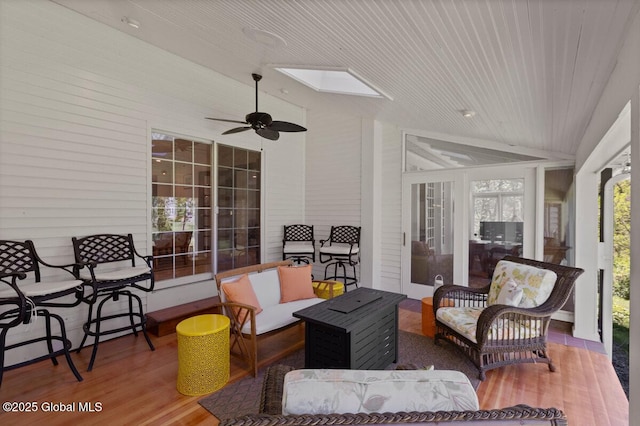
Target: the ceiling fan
(261, 122)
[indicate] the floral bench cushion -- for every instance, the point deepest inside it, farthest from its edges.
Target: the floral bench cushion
(464, 320)
(326, 391)
(536, 283)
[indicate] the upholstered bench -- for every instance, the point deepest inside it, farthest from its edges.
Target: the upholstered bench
(324, 391)
(274, 394)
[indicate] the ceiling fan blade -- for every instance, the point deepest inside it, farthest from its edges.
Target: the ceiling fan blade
(283, 126)
(268, 133)
(227, 121)
(236, 130)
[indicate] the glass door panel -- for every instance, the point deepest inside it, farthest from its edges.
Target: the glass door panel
(431, 236)
(497, 227)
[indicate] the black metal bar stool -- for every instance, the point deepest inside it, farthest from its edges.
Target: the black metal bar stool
(25, 303)
(112, 274)
(298, 244)
(340, 250)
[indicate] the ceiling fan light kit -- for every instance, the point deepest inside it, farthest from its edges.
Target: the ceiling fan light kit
(261, 122)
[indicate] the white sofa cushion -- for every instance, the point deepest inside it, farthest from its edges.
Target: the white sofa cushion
(266, 285)
(326, 391)
(279, 315)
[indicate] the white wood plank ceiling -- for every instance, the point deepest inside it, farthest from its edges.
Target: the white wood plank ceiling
(532, 70)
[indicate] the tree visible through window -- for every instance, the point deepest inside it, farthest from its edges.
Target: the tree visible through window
(181, 206)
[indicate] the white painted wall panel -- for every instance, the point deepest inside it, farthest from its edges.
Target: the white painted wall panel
(391, 208)
(77, 103)
(333, 174)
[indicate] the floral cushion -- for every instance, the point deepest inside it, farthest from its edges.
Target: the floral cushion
(536, 283)
(324, 391)
(464, 320)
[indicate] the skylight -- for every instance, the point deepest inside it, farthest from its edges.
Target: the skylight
(332, 81)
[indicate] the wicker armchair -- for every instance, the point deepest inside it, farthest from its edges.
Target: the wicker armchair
(504, 334)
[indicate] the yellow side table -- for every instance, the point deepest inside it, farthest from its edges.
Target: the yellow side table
(321, 288)
(203, 354)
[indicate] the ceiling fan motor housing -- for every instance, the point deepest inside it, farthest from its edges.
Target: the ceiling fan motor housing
(258, 120)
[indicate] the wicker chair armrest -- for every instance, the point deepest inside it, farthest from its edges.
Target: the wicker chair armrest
(458, 295)
(498, 310)
(495, 315)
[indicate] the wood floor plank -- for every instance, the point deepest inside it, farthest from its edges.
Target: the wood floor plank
(138, 386)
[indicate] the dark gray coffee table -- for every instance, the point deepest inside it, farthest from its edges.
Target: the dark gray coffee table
(357, 330)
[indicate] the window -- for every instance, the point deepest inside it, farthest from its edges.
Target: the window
(497, 201)
(238, 241)
(181, 206)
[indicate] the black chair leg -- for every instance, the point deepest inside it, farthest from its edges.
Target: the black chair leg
(3, 338)
(47, 317)
(84, 338)
(66, 346)
(143, 323)
(131, 315)
(97, 320)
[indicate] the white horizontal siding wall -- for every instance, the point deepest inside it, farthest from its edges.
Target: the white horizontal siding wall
(77, 103)
(284, 200)
(334, 192)
(391, 227)
(332, 174)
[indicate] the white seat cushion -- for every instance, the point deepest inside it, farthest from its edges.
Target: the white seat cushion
(324, 391)
(116, 274)
(298, 247)
(40, 289)
(279, 315)
(340, 250)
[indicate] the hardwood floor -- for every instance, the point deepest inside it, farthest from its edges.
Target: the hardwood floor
(136, 386)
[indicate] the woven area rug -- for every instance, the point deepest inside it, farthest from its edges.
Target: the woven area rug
(243, 396)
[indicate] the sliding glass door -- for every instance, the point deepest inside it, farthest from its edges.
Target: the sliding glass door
(458, 224)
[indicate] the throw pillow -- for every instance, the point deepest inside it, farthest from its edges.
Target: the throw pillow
(295, 283)
(241, 291)
(510, 294)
